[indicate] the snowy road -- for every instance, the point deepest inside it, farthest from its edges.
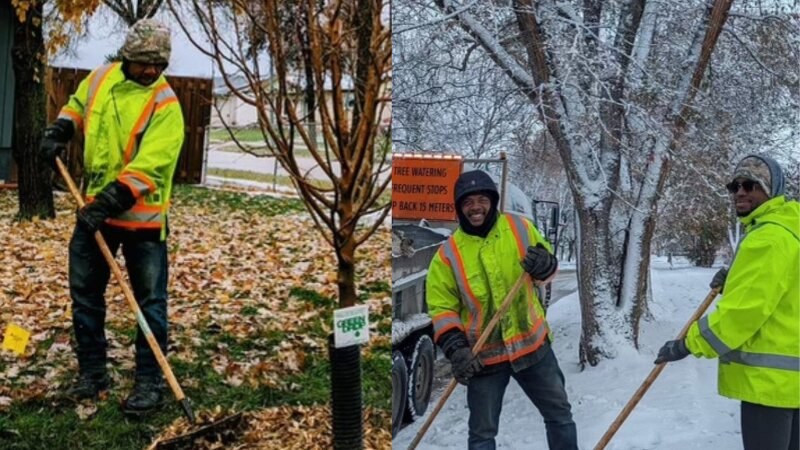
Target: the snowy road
(681, 411)
(565, 283)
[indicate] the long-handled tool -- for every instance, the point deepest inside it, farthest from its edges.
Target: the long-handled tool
(140, 319)
(653, 375)
(475, 350)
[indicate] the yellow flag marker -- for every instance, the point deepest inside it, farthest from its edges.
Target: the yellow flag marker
(16, 339)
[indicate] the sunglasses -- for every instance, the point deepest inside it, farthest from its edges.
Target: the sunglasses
(748, 185)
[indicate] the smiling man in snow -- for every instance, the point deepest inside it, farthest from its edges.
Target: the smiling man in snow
(467, 281)
(755, 331)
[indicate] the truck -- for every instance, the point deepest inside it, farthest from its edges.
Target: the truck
(423, 217)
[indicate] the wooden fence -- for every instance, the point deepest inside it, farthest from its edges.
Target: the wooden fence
(195, 98)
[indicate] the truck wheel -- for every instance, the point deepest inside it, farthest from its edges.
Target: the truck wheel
(421, 378)
(399, 389)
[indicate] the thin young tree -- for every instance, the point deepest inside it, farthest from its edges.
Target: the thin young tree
(346, 50)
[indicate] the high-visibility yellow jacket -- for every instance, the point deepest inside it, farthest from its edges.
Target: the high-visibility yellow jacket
(468, 280)
(755, 330)
(132, 134)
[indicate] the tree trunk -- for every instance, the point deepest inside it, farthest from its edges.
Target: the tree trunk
(363, 18)
(35, 184)
(310, 89)
(602, 323)
(346, 255)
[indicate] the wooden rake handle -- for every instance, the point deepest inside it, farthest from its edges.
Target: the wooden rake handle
(626, 411)
(140, 319)
(475, 350)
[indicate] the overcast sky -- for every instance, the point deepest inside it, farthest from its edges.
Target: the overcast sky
(106, 34)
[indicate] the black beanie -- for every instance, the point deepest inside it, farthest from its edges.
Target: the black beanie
(476, 182)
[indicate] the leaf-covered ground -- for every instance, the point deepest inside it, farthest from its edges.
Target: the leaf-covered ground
(252, 292)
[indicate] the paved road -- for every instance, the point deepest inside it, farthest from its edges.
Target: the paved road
(261, 164)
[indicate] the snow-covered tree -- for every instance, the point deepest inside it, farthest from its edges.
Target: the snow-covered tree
(622, 90)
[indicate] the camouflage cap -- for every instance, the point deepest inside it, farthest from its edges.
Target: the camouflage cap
(754, 168)
(148, 41)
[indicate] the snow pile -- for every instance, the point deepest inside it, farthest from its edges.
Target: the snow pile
(410, 324)
(680, 411)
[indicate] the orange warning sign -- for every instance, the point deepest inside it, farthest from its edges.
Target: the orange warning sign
(422, 187)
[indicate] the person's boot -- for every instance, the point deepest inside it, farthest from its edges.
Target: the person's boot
(146, 396)
(88, 386)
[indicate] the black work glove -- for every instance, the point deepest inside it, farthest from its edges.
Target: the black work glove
(539, 263)
(111, 201)
(719, 279)
(672, 351)
(465, 365)
(55, 141)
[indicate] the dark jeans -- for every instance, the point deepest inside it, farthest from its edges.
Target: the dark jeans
(769, 428)
(543, 383)
(146, 263)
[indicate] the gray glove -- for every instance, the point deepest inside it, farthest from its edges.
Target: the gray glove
(672, 351)
(539, 263)
(719, 279)
(464, 365)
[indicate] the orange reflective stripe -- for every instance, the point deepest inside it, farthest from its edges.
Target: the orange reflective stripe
(445, 322)
(95, 81)
(141, 123)
(165, 103)
(70, 114)
(139, 183)
(132, 186)
(520, 229)
(140, 216)
(520, 345)
(133, 224)
(443, 257)
(520, 337)
(475, 321)
(517, 338)
(148, 209)
(516, 355)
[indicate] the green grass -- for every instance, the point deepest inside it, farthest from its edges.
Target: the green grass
(260, 204)
(44, 424)
(313, 297)
(39, 425)
(48, 424)
(242, 134)
(280, 180)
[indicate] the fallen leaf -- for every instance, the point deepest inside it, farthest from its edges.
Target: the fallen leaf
(86, 411)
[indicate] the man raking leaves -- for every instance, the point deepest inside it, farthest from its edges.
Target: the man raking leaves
(132, 128)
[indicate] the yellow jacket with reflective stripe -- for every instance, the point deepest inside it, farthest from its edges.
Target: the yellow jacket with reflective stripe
(755, 330)
(470, 276)
(132, 134)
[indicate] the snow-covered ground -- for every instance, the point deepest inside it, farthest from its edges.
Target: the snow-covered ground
(682, 409)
